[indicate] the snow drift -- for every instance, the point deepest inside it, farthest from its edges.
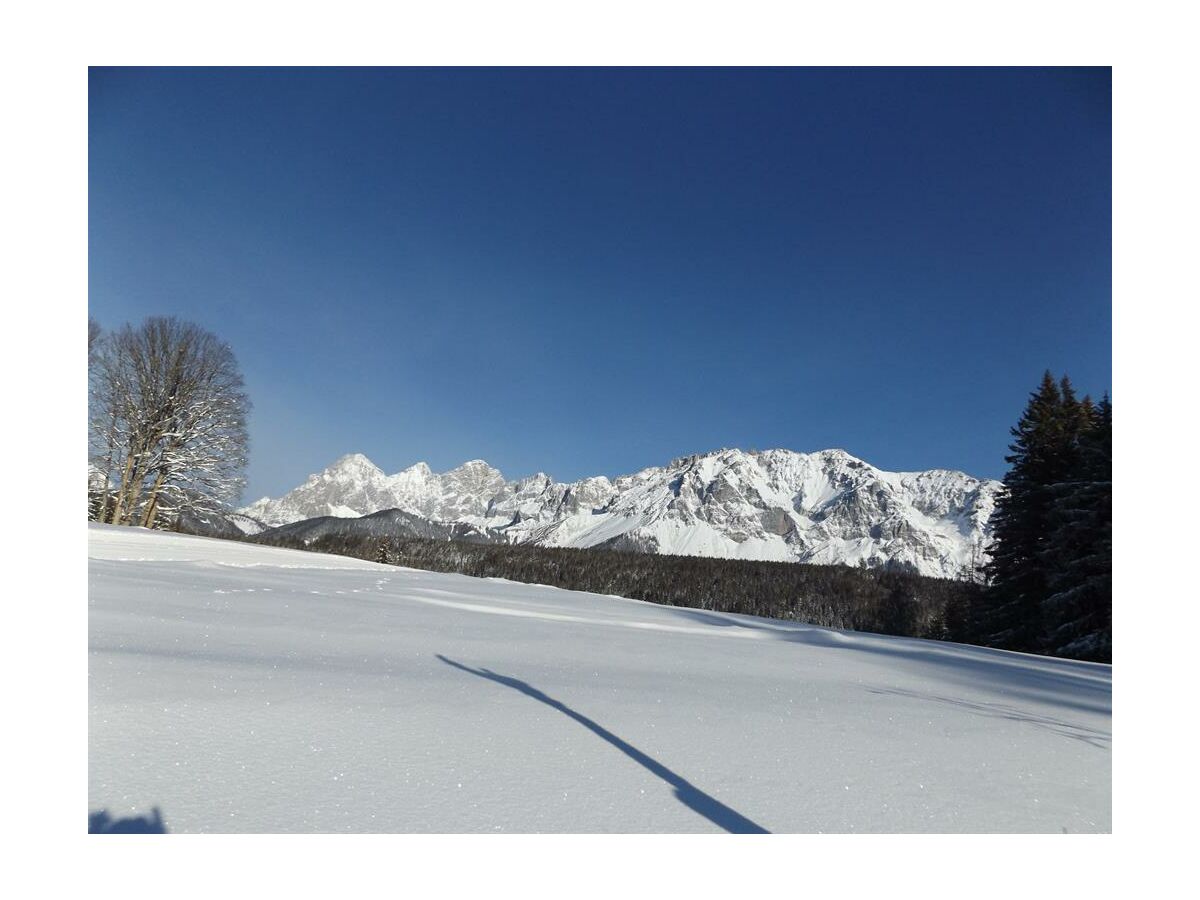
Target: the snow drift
(240, 688)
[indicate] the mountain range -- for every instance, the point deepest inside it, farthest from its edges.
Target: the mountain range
(822, 507)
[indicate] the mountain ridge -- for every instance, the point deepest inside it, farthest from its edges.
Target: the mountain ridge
(826, 506)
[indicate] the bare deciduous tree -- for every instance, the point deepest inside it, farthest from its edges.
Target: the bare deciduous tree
(167, 420)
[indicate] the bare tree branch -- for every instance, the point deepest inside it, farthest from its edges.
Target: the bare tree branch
(168, 422)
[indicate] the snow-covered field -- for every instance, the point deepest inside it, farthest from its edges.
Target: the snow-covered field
(243, 688)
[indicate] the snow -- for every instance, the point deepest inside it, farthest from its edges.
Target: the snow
(245, 688)
(774, 505)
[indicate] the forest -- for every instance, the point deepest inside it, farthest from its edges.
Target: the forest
(859, 599)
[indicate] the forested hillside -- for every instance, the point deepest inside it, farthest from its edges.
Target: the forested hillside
(883, 601)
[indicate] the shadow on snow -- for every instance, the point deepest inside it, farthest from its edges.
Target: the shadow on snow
(1093, 736)
(686, 792)
(1068, 684)
(100, 822)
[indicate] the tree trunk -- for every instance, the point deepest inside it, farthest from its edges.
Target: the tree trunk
(131, 484)
(152, 502)
(122, 488)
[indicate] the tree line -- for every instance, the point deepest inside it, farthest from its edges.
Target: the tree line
(1049, 580)
(166, 423)
(884, 601)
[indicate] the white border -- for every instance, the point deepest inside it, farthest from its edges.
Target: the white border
(47, 51)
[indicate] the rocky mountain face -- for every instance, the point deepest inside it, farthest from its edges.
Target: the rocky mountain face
(824, 507)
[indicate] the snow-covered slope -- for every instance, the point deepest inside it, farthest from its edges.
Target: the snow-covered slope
(825, 507)
(245, 688)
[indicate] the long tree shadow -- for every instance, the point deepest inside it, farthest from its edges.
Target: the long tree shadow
(686, 792)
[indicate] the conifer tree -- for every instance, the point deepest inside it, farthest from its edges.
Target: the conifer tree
(1078, 557)
(1050, 572)
(897, 612)
(1011, 617)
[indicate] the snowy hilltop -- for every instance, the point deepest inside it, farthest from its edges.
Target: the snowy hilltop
(824, 507)
(274, 690)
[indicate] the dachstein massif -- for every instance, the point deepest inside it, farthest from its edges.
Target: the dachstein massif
(824, 507)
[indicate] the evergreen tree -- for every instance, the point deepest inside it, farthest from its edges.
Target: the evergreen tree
(1050, 572)
(1078, 557)
(897, 613)
(1039, 458)
(959, 616)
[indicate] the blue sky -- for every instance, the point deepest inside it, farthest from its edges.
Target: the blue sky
(592, 271)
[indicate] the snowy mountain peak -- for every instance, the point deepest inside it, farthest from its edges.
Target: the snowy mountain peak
(473, 465)
(822, 507)
(353, 465)
(474, 473)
